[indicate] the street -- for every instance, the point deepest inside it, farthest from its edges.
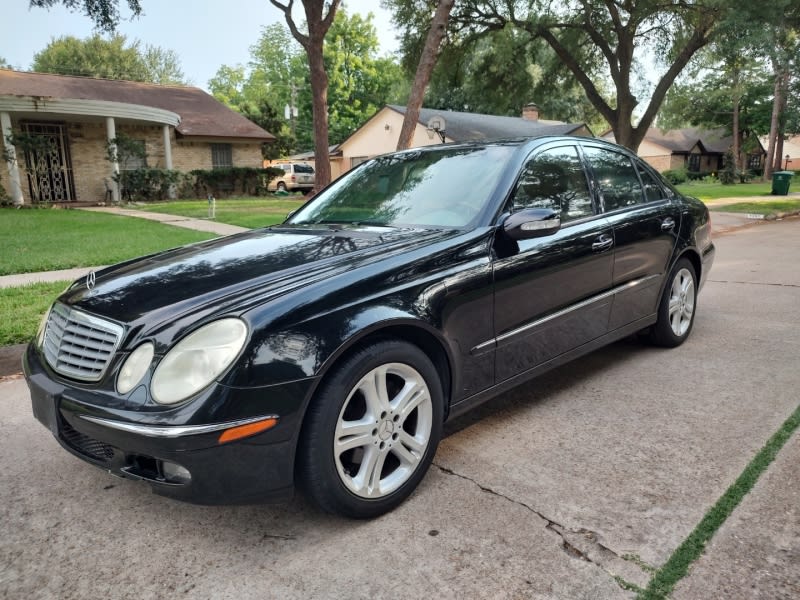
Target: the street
(570, 486)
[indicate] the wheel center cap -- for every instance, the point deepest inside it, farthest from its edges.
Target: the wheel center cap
(385, 430)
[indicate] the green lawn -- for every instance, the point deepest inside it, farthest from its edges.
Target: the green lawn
(49, 239)
(21, 309)
(244, 212)
(712, 191)
(764, 208)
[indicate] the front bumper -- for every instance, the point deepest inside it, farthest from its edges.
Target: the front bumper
(254, 469)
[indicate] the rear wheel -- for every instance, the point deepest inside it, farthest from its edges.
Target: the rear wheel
(282, 186)
(676, 309)
(372, 430)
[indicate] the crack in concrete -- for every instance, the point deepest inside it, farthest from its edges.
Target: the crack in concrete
(789, 285)
(567, 545)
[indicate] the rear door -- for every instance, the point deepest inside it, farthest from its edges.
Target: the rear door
(551, 293)
(645, 221)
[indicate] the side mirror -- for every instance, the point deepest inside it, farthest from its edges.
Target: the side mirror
(532, 223)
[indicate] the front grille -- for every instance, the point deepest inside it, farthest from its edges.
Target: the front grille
(84, 444)
(79, 345)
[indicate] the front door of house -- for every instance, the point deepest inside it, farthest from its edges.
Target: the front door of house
(48, 162)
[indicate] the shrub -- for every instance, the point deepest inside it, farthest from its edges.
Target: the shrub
(729, 172)
(676, 176)
(249, 181)
(146, 184)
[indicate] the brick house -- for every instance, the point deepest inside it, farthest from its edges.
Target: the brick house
(182, 128)
(698, 150)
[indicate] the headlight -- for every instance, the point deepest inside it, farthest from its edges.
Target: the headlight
(135, 367)
(197, 360)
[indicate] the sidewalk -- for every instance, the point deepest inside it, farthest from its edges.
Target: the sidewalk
(176, 220)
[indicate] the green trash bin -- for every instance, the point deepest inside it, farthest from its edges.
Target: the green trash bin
(780, 182)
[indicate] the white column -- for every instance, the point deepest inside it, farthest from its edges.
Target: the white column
(111, 134)
(13, 168)
(171, 193)
(167, 149)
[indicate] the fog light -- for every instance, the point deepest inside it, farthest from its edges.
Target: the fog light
(174, 473)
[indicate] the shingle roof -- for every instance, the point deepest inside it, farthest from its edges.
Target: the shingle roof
(201, 114)
(464, 126)
(683, 140)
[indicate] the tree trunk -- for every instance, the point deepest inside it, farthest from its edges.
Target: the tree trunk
(319, 90)
(778, 164)
(427, 62)
(773, 126)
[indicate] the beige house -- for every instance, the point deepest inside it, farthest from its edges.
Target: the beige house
(379, 134)
(790, 156)
(72, 120)
(698, 150)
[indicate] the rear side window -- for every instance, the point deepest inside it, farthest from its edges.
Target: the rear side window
(652, 189)
(616, 176)
(555, 179)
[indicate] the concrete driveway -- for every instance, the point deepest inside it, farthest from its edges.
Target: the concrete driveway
(562, 488)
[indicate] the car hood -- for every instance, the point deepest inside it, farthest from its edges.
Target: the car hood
(219, 274)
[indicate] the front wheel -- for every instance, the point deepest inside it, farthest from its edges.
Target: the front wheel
(372, 430)
(676, 309)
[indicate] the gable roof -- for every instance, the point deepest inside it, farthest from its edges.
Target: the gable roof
(464, 126)
(683, 140)
(201, 114)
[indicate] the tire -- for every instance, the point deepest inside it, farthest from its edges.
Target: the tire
(677, 307)
(282, 186)
(371, 431)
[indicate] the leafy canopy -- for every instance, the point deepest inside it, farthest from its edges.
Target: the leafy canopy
(109, 58)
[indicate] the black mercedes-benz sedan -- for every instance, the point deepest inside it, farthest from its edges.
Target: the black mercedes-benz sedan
(328, 351)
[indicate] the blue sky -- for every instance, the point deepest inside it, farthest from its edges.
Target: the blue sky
(204, 33)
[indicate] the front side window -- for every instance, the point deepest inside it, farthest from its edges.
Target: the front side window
(221, 156)
(555, 179)
(617, 178)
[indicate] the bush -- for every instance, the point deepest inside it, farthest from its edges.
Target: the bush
(676, 176)
(729, 172)
(146, 184)
(248, 181)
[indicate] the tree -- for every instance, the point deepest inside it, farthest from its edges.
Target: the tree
(104, 13)
(603, 41)
(425, 67)
(111, 58)
(4, 64)
(318, 22)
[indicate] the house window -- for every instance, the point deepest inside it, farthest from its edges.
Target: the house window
(133, 156)
(754, 161)
(221, 156)
(694, 163)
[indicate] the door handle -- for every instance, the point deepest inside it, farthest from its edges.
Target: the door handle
(604, 242)
(667, 224)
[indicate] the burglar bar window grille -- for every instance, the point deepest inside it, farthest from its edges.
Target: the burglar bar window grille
(221, 156)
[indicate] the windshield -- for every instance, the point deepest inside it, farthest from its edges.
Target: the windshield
(431, 188)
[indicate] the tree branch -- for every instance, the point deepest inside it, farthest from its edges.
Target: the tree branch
(287, 13)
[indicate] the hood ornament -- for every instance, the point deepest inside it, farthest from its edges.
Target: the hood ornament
(90, 280)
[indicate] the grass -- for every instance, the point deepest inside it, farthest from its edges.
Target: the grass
(665, 578)
(49, 239)
(713, 191)
(244, 212)
(763, 208)
(21, 309)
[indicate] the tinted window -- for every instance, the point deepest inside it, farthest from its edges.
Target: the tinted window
(617, 178)
(433, 188)
(555, 179)
(303, 169)
(652, 189)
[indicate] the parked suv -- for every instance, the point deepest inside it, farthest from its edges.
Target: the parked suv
(297, 176)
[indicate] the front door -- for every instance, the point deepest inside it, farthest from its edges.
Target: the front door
(551, 293)
(48, 163)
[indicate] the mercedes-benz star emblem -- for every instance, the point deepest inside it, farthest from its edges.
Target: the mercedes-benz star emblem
(90, 279)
